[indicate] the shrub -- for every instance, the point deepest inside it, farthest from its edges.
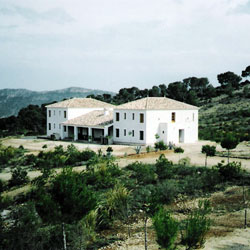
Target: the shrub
(179, 150)
(166, 228)
(87, 154)
(183, 171)
(167, 191)
(73, 196)
(197, 225)
(192, 185)
(210, 179)
(109, 151)
(102, 175)
(164, 167)
(148, 149)
(19, 176)
(186, 161)
(137, 149)
(144, 173)
(229, 171)
(160, 145)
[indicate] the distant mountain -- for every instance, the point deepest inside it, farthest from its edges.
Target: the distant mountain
(12, 100)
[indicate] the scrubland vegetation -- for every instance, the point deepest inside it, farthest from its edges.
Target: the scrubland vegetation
(88, 209)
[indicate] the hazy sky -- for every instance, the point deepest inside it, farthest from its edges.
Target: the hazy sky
(110, 44)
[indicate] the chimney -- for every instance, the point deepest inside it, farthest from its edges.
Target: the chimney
(106, 112)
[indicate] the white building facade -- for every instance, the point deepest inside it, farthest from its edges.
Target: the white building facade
(143, 121)
(152, 119)
(61, 112)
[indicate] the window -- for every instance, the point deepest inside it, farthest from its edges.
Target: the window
(173, 116)
(125, 132)
(59, 112)
(54, 112)
(133, 133)
(49, 113)
(193, 117)
(125, 116)
(54, 125)
(49, 126)
(64, 128)
(141, 118)
(133, 116)
(141, 135)
(117, 132)
(65, 114)
(59, 126)
(117, 116)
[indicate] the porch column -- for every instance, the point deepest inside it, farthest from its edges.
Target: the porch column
(75, 133)
(106, 131)
(61, 132)
(90, 132)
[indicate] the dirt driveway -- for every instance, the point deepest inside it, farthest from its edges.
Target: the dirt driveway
(126, 154)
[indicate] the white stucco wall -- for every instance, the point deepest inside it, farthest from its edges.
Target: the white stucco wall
(57, 117)
(129, 125)
(160, 122)
(157, 122)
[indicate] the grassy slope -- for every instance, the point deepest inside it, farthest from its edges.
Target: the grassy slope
(223, 114)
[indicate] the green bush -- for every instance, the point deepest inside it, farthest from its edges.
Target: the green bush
(186, 161)
(164, 167)
(179, 150)
(102, 175)
(166, 228)
(192, 185)
(229, 171)
(148, 149)
(210, 180)
(183, 171)
(73, 196)
(143, 173)
(167, 191)
(197, 225)
(19, 176)
(160, 145)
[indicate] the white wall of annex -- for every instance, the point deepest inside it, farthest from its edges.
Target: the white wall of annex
(160, 122)
(129, 124)
(56, 118)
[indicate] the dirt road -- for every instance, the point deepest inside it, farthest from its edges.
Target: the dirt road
(126, 154)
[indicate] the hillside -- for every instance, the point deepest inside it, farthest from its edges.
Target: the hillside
(225, 113)
(12, 100)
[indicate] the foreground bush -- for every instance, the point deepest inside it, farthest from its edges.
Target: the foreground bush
(229, 171)
(19, 176)
(166, 228)
(164, 167)
(197, 225)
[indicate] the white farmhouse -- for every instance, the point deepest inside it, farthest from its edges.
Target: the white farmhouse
(79, 118)
(138, 122)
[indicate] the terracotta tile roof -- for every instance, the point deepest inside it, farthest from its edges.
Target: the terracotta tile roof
(157, 103)
(80, 103)
(96, 118)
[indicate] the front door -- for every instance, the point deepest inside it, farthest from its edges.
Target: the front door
(181, 135)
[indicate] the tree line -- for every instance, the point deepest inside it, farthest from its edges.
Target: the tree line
(189, 90)
(31, 120)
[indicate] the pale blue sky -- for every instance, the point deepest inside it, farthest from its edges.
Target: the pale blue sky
(111, 44)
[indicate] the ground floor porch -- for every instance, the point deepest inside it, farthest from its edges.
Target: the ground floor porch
(101, 135)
